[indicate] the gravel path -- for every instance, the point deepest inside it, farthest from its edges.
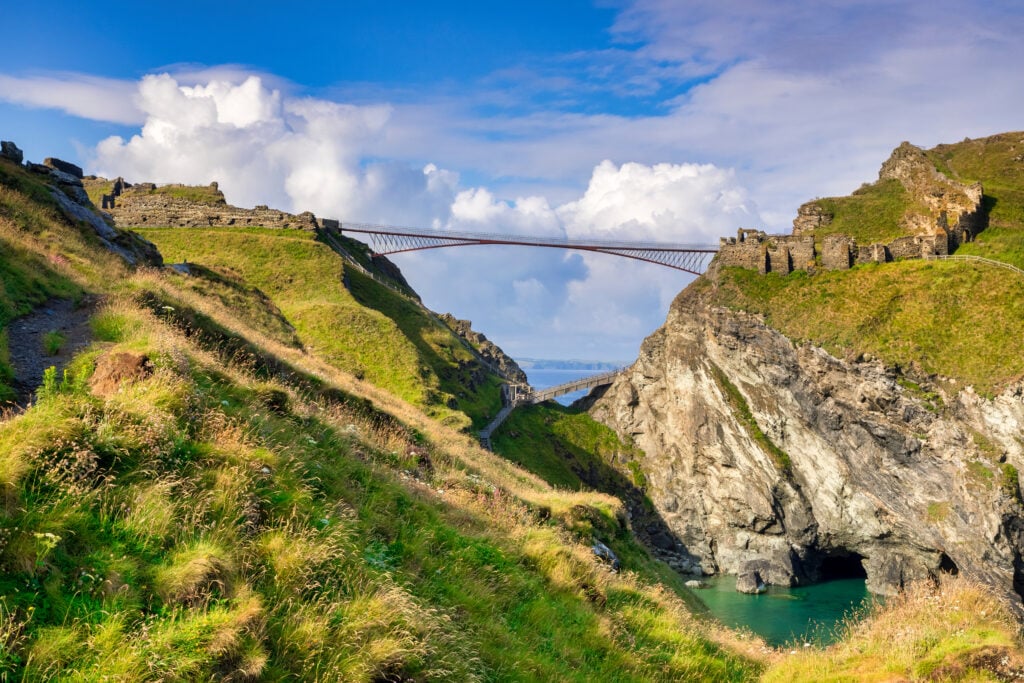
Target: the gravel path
(29, 358)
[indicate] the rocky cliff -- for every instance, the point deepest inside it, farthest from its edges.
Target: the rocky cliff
(488, 350)
(771, 457)
(783, 463)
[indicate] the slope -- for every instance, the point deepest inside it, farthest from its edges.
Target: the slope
(961, 321)
(198, 497)
(346, 318)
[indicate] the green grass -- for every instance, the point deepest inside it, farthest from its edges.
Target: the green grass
(953, 633)
(741, 411)
(871, 214)
(938, 511)
(565, 447)
(957, 320)
(570, 450)
(182, 529)
(365, 328)
(53, 342)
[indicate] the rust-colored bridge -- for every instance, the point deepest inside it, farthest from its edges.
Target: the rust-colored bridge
(386, 239)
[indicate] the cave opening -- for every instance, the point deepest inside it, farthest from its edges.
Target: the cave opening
(842, 565)
(947, 565)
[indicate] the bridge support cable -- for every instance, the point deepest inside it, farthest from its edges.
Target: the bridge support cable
(385, 240)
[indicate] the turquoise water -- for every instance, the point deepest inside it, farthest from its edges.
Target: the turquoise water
(805, 614)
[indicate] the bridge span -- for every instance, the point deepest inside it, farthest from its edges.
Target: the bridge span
(385, 240)
(515, 395)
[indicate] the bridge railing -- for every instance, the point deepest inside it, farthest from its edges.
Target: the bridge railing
(547, 239)
(575, 385)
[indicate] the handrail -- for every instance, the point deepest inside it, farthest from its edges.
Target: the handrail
(576, 385)
(976, 259)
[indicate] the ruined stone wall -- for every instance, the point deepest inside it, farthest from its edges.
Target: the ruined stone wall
(778, 258)
(801, 251)
(836, 252)
(140, 206)
(742, 252)
(755, 250)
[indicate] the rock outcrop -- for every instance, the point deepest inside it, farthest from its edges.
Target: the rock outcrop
(10, 151)
(488, 350)
(67, 189)
(780, 462)
(950, 207)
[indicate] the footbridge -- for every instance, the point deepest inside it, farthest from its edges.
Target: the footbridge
(515, 395)
(385, 240)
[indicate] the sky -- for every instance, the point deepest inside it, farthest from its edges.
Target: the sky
(674, 121)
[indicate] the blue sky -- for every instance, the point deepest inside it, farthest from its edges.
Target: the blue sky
(670, 120)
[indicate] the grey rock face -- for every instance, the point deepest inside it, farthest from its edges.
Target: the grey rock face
(749, 578)
(9, 150)
(873, 475)
(64, 167)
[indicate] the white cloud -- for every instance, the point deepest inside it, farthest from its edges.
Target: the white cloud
(264, 147)
(681, 203)
(90, 97)
(580, 304)
(796, 99)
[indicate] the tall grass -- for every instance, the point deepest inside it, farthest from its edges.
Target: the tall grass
(954, 632)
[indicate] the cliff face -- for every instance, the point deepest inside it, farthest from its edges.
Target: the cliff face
(769, 457)
(488, 350)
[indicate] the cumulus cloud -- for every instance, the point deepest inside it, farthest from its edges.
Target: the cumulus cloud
(263, 147)
(695, 203)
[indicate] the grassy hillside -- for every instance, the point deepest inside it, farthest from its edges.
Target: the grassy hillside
(346, 318)
(871, 214)
(234, 506)
(244, 509)
(959, 320)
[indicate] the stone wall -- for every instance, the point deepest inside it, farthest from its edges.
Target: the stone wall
(141, 205)
(836, 252)
(756, 250)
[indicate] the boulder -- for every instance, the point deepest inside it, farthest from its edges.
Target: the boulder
(64, 167)
(750, 581)
(605, 553)
(695, 583)
(9, 150)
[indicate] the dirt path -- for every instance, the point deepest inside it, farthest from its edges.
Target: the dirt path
(25, 341)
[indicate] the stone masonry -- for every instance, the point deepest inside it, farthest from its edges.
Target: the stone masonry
(943, 214)
(142, 205)
(755, 250)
